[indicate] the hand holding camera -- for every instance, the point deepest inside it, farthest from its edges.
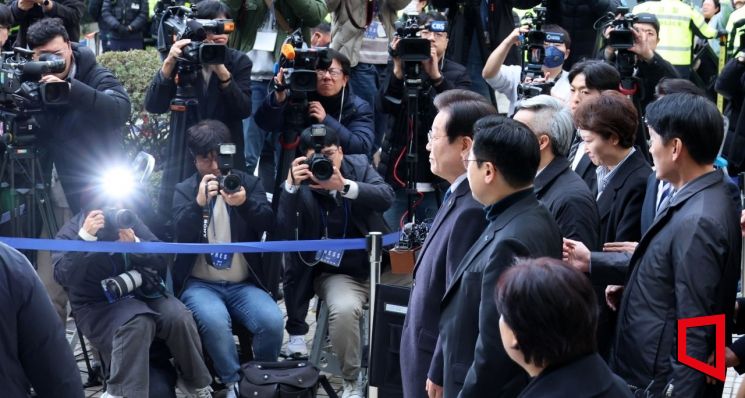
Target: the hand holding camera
(209, 187)
(316, 111)
(173, 55)
(94, 222)
(299, 171)
(335, 183)
(126, 235)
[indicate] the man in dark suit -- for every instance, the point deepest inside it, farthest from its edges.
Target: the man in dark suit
(347, 204)
(450, 141)
(559, 189)
(587, 80)
(687, 263)
(501, 167)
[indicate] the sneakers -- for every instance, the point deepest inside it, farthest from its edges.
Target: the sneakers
(296, 347)
(107, 395)
(204, 392)
(232, 391)
(352, 389)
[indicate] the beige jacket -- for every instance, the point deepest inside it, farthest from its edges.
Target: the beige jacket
(347, 39)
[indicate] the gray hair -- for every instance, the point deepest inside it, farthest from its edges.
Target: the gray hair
(552, 118)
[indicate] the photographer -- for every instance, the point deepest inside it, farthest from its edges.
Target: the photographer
(437, 74)
(125, 21)
(223, 91)
(507, 78)
(28, 12)
(347, 203)
(220, 286)
(649, 67)
(332, 105)
(122, 323)
(78, 139)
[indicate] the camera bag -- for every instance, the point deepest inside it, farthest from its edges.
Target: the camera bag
(286, 379)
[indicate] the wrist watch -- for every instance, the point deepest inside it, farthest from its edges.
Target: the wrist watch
(347, 185)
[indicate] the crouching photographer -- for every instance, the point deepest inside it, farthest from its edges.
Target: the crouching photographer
(329, 194)
(331, 104)
(121, 305)
(419, 70)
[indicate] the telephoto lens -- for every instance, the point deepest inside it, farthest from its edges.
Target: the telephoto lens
(121, 285)
(230, 183)
(119, 218)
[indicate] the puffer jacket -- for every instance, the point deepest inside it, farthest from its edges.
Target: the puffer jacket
(345, 37)
(117, 15)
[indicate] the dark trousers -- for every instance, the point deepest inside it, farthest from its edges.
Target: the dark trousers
(130, 354)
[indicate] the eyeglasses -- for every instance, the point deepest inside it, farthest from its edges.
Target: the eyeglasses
(425, 34)
(466, 161)
(329, 152)
(431, 137)
(334, 72)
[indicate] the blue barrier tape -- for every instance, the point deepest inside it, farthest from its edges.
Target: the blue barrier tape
(193, 248)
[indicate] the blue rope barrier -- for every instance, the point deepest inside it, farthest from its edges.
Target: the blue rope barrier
(193, 248)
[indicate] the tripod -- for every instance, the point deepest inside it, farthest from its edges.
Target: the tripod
(24, 160)
(296, 119)
(179, 164)
(412, 90)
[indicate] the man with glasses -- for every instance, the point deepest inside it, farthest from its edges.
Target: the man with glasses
(507, 78)
(347, 204)
(438, 74)
(332, 104)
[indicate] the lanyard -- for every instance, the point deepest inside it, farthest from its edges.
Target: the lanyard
(324, 221)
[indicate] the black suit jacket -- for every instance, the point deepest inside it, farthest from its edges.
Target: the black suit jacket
(586, 170)
(585, 377)
(570, 202)
(620, 203)
(469, 333)
(458, 223)
(229, 105)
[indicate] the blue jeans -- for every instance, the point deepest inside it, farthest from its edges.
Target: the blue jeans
(213, 304)
(260, 143)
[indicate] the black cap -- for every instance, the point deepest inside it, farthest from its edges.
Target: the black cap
(648, 18)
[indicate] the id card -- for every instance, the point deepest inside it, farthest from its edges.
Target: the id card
(330, 257)
(221, 260)
(265, 41)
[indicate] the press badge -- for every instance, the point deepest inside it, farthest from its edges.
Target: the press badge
(265, 41)
(221, 260)
(330, 257)
(135, 6)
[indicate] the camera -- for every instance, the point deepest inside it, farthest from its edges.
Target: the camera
(228, 182)
(412, 47)
(121, 285)
(19, 81)
(179, 21)
(621, 37)
(413, 235)
(300, 64)
(117, 219)
(321, 167)
(533, 43)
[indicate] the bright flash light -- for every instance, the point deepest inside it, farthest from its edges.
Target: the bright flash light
(118, 183)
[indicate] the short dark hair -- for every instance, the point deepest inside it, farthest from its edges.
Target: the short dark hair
(447, 97)
(45, 30)
(206, 136)
(6, 16)
(306, 141)
(598, 75)
(463, 115)
(611, 113)
(693, 119)
(552, 28)
(346, 66)
(211, 9)
(323, 27)
(510, 146)
(551, 308)
(668, 86)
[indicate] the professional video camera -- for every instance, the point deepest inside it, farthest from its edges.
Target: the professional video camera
(412, 47)
(178, 21)
(621, 39)
(320, 165)
(228, 182)
(534, 53)
(300, 64)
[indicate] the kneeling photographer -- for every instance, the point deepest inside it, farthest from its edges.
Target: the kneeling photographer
(418, 67)
(221, 85)
(329, 194)
(121, 304)
(331, 104)
(631, 44)
(82, 111)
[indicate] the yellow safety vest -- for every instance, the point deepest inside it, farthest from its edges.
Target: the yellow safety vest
(733, 38)
(677, 20)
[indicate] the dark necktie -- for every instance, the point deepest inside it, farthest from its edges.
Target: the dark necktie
(665, 197)
(446, 197)
(573, 148)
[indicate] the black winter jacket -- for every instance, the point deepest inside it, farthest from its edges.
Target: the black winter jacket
(69, 11)
(120, 15)
(393, 102)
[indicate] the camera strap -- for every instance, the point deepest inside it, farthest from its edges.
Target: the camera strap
(328, 256)
(369, 12)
